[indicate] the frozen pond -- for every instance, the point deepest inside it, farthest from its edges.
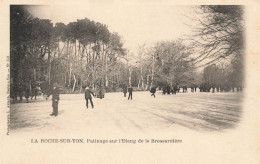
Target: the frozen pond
(194, 111)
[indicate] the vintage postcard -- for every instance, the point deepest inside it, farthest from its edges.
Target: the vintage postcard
(130, 82)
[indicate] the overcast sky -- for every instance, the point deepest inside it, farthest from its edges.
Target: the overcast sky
(137, 24)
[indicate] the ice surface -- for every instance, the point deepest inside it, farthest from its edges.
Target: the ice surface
(115, 113)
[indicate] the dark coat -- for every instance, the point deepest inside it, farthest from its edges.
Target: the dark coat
(34, 90)
(153, 90)
(55, 94)
(27, 92)
(175, 88)
(124, 89)
(130, 90)
(88, 94)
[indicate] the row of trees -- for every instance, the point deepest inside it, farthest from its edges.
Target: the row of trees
(217, 46)
(73, 55)
(221, 77)
(166, 62)
(85, 52)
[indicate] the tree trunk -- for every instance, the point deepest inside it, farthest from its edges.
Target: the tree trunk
(142, 78)
(130, 73)
(106, 70)
(70, 66)
(34, 74)
(139, 82)
(93, 67)
(152, 72)
(49, 63)
(74, 85)
(58, 48)
(102, 67)
(147, 82)
(80, 90)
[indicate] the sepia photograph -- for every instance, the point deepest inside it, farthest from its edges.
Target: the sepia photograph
(163, 68)
(130, 82)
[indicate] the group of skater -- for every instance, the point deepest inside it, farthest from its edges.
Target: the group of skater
(207, 87)
(25, 90)
(168, 89)
(55, 91)
(128, 89)
(203, 87)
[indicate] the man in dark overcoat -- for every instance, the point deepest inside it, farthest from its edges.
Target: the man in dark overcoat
(34, 91)
(153, 90)
(130, 91)
(88, 96)
(55, 92)
(27, 92)
(175, 88)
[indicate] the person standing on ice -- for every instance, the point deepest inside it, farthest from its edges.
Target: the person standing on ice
(55, 92)
(125, 90)
(153, 90)
(175, 89)
(27, 92)
(88, 96)
(130, 91)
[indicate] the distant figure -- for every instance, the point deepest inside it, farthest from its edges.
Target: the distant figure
(195, 87)
(213, 88)
(130, 91)
(20, 91)
(88, 96)
(164, 90)
(34, 91)
(168, 89)
(201, 87)
(175, 89)
(192, 87)
(153, 90)
(55, 92)
(124, 90)
(27, 92)
(100, 93)
(14, 92)
(184, 89)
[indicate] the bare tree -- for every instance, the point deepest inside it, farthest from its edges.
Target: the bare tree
(220, 35)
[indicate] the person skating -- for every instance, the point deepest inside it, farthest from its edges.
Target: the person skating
(130, 91)
(153, 90)
(27, 92)
(192, 87)
(88, 96)
(100, 93)
(175, 89)
(55, 92)
(168, 89)
(20, 91)
(34, 91)
(124, 90)
(164, 90)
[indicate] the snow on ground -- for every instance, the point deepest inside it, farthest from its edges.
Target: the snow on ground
(190, 111)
